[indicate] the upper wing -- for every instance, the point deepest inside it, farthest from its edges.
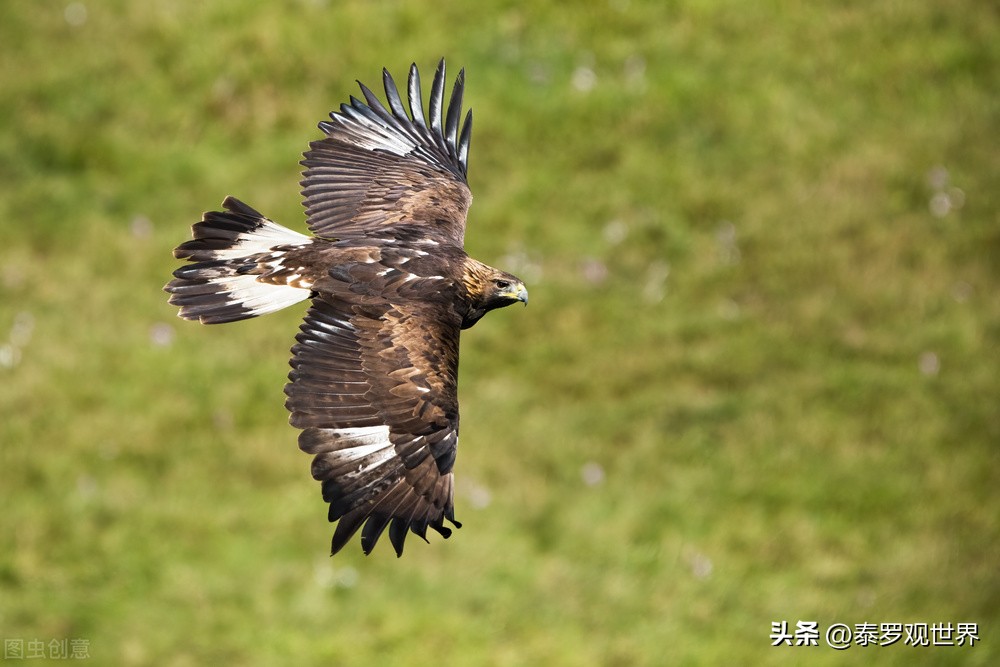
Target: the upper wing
(379, 166)
(374, 386)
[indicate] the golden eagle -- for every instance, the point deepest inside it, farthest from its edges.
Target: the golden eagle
(375, 367)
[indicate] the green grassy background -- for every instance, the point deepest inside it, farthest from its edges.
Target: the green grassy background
(758, 381)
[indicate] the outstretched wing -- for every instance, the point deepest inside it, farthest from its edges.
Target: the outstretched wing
(379, 166)
(374, 386)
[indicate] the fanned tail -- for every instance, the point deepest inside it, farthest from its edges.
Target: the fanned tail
(237, 270)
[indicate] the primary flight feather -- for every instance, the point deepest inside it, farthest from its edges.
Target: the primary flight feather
(374, 373)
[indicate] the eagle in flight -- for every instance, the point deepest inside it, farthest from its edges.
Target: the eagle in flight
(373, 384)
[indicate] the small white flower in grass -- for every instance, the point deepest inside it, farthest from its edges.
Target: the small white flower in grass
(701, 566)
(326, 575)
(161, 334)
(656, 277)
(223, 420)
(345, 577)
(615, 232)
(20, 334)
(24, 326)
(323, 574)
(592, 473)
(528, 267)
(930, 365)
(141, 227)
(943, 203)
(86, 487)
(75, 14)
(594, 271)
(635, 72)
(940, 205)
(10, 355)
(584, 79)
(937, 178)
(12, 277)
(961, 291)
(957, 197)
(729, 250)
(477, 495)
(223, 89)
(729, 310)
(945, 199)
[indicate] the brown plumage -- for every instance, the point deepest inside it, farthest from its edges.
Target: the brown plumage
(374, 373)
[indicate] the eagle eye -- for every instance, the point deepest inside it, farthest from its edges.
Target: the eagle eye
(501, 284)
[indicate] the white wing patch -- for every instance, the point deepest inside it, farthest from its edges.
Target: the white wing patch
(366, 133)
(361, 435)
(264, 237)
(368, 447)
(259, 298)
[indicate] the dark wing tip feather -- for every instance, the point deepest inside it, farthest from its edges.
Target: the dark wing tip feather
(397, 509)
(371, 167)
(374, 103)
(346, 527)
(441, 130)
(436, 108)
(231, 203)
(437, 98)
(397, 535)
(415, 96)
(392, 95)
(373, 529)
(463, 143)
(454, 114)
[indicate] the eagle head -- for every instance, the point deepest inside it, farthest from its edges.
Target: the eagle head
(487, 289)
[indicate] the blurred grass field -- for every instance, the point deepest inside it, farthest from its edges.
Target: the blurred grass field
(759, 379)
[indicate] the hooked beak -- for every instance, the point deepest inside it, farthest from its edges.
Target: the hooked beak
(518, 292)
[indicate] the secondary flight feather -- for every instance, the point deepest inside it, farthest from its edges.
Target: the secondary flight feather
(374, 373)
